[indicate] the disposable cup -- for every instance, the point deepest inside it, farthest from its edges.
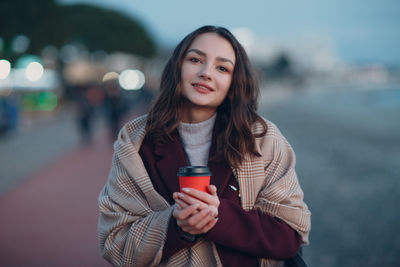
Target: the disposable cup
(197, 177)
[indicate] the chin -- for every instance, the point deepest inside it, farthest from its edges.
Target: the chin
(201, 104)
(199, 101)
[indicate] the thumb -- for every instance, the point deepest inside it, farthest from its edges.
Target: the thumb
(212, 189)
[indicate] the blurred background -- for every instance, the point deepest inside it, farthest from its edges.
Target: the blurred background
(72, 72)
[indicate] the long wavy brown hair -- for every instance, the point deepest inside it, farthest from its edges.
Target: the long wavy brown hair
(236, 114)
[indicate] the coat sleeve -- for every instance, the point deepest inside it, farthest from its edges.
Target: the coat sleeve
(254, 233)
(131, 230)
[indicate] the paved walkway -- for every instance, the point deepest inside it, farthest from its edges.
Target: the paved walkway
(51, 218)
(39, 139)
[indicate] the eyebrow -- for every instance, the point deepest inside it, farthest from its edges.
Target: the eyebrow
(201, 53)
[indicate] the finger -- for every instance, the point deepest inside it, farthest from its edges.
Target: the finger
(178, 195)
(196, 195)
(191, 200)
(198, 217)
(187, 212)
(181, 204)
(176, 210)
(188, 224)
(198, 229)
(214, 211)
(210, 225)
(212, 189)
(205, 221)
(194, 223)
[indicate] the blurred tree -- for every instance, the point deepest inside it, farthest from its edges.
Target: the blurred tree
(107, 30)
(282, 65)
(45, 22)
(279, 68)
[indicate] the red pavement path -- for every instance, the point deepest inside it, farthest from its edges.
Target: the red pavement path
(51, 218)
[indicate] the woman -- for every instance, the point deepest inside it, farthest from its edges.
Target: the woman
(253, 213)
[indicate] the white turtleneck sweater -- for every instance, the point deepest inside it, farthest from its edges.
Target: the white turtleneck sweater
(196, 140)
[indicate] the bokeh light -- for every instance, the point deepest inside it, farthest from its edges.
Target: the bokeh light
(39, 101)
(5, 68)
(48, 101)
(34, 71)
(131, 79)
(6, 91)
(23, 61)
(20, 43)
(110, 76)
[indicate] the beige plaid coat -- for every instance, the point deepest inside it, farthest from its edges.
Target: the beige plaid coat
(134, 217)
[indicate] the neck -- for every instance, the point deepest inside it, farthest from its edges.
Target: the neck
(194, 115)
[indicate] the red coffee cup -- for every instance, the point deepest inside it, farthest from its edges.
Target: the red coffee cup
(197, 177)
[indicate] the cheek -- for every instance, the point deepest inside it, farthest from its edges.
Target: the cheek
(187, 71)
(223, 92)
(183, 73)
(225, 84)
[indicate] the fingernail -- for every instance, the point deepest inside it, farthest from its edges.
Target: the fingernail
(185, 189)
(181, 195)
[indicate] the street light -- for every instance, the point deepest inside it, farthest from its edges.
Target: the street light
(131, 79)
(5, 68)
(34, 71)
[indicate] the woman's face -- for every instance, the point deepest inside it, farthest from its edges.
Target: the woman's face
(207, 70)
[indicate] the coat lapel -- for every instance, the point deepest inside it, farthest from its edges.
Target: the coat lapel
(170, 156)
(221, 172)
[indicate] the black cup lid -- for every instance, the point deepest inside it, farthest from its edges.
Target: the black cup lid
(194, 171)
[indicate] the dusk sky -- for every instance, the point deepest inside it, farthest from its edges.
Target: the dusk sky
(359, 31)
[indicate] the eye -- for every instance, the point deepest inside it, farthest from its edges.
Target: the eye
(193, 59)
(223, 69)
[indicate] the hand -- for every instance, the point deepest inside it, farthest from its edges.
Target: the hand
(196, 211)
(194, 221)
(192, 196)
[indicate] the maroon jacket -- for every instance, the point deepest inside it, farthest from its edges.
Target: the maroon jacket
(240, 236)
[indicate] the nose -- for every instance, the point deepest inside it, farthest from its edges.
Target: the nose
(205, 72)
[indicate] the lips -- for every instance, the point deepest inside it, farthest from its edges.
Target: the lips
(202, 88)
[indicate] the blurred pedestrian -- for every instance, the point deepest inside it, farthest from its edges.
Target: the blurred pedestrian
(85, 113)
(9, 114)
(88, 98)
(4, 117)
(114, 107)
(253, 213)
